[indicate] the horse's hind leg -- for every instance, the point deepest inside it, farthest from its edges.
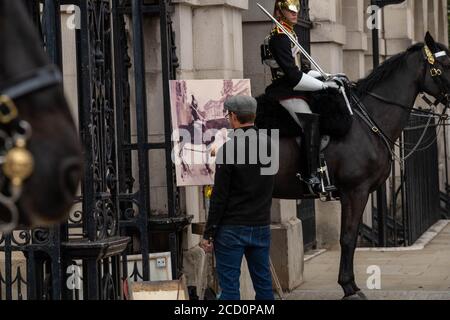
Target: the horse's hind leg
(353, 204)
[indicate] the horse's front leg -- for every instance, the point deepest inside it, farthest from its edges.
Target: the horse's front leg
(353, 204)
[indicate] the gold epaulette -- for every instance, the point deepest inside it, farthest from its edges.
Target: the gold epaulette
(277, 30)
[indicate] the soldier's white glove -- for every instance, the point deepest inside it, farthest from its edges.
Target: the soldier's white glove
(308, 83)
(331, 86)
(315, 74)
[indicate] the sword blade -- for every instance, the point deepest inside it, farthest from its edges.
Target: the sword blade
(295, 42)
(347, 102)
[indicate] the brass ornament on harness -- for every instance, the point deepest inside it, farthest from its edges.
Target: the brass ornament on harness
(16, 161)
(435, 72)
(10, 113)
(430, 57)
(19, 163)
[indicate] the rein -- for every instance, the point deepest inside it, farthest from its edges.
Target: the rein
(16, 161)
(412, 109)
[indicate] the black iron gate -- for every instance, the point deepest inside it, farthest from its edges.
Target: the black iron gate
(445, 192)
(414, 190)
(86, 258)
(304, 25)
(421, 181)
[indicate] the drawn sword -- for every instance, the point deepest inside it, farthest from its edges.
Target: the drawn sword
(306, 54)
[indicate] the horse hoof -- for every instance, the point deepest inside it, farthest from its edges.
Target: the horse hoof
(353, 297)
(357, 296)
(362, 295)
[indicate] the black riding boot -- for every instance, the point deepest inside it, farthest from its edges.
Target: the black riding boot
(311, 147)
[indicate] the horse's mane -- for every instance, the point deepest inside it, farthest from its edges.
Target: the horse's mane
(389, 66)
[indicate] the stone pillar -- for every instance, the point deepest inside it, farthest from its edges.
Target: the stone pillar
(368, 57)
(155, 121)
(209, 38)
(432, 23)
(69, 62)
(287, 244)
(328, 35)
(256, 26)
(356, 42)
(420, 19)
(328, 222)
(399, 27)
(442, 21)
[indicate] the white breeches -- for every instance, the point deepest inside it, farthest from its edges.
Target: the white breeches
(294, 106)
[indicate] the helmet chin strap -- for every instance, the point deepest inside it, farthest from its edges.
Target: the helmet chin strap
(283, 18)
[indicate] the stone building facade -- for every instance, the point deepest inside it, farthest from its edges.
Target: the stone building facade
(220, 39)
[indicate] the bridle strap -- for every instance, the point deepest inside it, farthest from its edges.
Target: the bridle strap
(374, 127)
(37, 80)
(18, 164)
(412, 109)
(436, 73)
(378, 97)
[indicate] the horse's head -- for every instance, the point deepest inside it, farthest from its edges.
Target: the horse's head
(50, 151)
(436, 73)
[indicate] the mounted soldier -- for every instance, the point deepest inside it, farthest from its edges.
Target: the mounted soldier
(292, 80)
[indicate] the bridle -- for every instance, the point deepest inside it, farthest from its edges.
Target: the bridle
(16, 161)
(443, 97)
(436, 74)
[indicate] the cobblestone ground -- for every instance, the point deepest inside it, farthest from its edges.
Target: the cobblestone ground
(405, 275)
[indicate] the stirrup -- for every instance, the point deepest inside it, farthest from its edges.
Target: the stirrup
(314, 184)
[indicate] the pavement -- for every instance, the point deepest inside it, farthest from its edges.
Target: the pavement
(404, 274)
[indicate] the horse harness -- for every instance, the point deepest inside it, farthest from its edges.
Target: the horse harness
(444, 98)
(16, 161)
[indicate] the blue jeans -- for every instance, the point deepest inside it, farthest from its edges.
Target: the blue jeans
(230, 245)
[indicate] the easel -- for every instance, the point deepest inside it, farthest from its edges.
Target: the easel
(276, 281)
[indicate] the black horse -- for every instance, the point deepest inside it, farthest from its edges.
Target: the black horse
(360, 161)
(30, 85)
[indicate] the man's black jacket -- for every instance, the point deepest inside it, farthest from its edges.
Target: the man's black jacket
(241, 194)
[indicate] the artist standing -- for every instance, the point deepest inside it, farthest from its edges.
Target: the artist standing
(239, 216)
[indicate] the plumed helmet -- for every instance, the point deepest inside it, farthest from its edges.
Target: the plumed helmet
(292, 5)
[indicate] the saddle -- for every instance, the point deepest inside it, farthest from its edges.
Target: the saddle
(335, 120)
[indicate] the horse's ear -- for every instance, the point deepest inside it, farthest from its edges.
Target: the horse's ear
(429, 41)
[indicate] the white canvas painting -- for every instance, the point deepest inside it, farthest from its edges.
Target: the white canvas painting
(200, 126)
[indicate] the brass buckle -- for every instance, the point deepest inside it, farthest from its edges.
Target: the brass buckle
(12, 112)
(435, 72)
(375, 129)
